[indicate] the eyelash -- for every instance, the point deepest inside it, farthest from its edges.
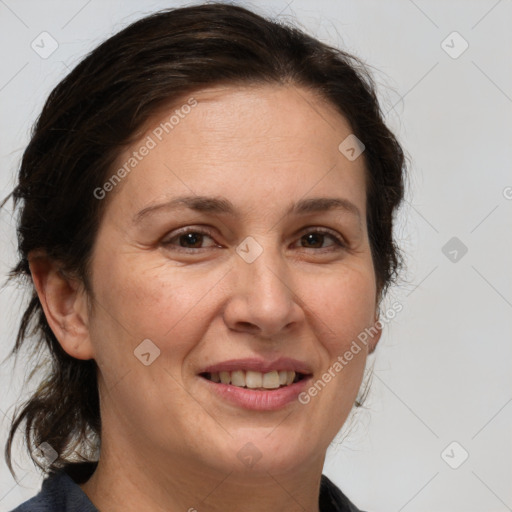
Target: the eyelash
(203, 231)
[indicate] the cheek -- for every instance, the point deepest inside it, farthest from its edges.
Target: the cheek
(342, 307)
(140, 300)
(344, 304)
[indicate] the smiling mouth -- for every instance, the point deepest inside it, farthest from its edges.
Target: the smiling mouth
(255, 380)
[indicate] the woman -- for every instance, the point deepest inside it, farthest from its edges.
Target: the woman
(206, 221)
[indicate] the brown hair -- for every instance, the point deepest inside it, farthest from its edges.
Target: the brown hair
(99, 108)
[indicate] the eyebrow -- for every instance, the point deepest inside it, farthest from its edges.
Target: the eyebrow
(219, 205)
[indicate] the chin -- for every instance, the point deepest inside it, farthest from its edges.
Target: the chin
(260, 451)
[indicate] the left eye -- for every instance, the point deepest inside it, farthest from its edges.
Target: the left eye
(192, 239)
(316, 235)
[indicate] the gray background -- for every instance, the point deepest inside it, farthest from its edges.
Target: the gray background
(442, 368)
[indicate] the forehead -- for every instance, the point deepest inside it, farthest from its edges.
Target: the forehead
(244, 142)
(265, 114)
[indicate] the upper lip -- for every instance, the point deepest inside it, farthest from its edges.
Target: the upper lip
(260, 365)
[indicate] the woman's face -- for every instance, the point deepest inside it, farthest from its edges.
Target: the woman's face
(253, 281)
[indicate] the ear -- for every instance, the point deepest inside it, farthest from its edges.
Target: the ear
(372, 345)
(64, 302)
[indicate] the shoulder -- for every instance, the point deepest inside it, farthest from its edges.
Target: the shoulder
(58, 492)
(332, 499)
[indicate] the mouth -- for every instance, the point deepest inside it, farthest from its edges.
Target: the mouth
(254, 380)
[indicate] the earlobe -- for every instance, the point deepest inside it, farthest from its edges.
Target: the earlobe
(376, 337)
(64, 302)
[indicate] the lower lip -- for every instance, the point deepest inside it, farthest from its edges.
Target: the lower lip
(257, 400)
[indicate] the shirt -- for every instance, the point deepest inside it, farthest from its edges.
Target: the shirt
(60, 492)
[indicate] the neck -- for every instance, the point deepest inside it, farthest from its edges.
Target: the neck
(134, 484)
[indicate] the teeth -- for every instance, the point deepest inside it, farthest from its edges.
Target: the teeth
(271, 380)
(238, 378)
(254, 380)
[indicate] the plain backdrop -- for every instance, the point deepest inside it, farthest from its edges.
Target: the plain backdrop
(436, 431)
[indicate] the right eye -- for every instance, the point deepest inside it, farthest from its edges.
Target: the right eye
(188, 239)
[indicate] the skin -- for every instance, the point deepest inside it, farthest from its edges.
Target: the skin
(168, 443)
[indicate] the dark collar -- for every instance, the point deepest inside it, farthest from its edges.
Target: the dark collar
(332, 499)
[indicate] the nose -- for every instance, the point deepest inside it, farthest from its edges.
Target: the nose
(263, 300)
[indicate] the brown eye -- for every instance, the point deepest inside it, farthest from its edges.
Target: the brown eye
(315, 239)
(191, 239)
(187, 239)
